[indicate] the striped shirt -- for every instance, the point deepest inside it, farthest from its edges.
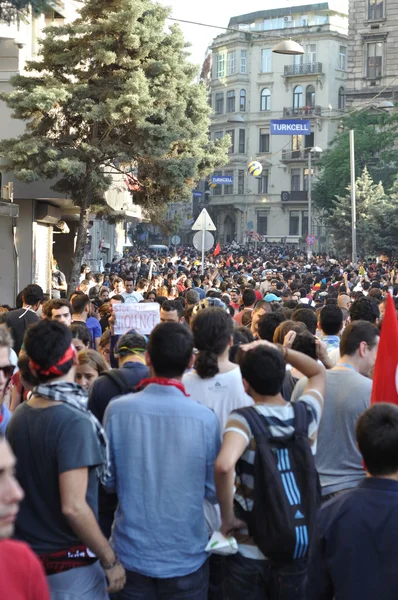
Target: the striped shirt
(280, 421)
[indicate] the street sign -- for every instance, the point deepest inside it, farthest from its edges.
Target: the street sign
(204, 222)
(220, 180)
(209, 240)
(175, 240)
(310, 239)
(9, 209)
(290, 127)
(197, 194)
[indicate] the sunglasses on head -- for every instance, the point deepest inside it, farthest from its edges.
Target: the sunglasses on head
(7, 370)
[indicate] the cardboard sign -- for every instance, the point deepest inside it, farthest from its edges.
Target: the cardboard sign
(140, 317)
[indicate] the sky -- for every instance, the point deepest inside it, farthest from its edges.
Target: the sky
(216, 12)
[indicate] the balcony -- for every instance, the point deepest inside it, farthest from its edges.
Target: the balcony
(298, 196)
(294, 155)
(314, 68)
(304, 111)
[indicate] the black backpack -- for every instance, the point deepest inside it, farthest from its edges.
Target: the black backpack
(287, 491)
(121, 381)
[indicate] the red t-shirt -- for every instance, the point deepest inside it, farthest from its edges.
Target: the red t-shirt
(22, 574)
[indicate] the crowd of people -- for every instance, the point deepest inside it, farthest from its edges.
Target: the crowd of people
(247, 411)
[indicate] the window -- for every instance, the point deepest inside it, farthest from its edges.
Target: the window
(242, 139)
(310, 96)
(228, 189)
(218, 135)
(231, 62)
(264, 141)
(298, 59)
(241, 182)
(374, 60)
(265, 101)
(294, 221)
(341, 98)
(375, 9)
(298, 97)
(262, 222)
(304, 223)
(275, 23)
(343, 58)
(305, 179)
(311, 53)
(231, 101)
(266, 60)
(219, 105)
(295, 181)
(217, 190)
(309, 140)
(220, 65)
(231, 132)
(304, 21)
(263, 183)
(242, 101)
(297, 145)
(243, 61)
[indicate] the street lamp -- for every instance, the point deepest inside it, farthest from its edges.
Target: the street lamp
(288, 47)
(314, 150)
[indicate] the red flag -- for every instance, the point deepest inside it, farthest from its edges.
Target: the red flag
(228, 262)
(217, 250)
(385, 372)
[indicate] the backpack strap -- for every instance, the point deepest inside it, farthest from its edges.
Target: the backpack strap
(300, 418)
(120, 379)
(256, 422)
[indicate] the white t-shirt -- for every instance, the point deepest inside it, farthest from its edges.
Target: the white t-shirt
(223, 393)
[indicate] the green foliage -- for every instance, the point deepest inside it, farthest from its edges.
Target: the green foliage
(375, 134)
(383, 224)
(113, 88)
(15, 9)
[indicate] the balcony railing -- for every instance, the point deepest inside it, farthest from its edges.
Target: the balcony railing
(304, 111)
(298, 196)
(293, 155)
(303, 69)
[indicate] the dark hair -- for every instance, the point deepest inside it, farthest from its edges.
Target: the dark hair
(81, 332)
(355, 333)
(212, 330)
(283, 329)
(170, 349)
(365, 309)
(331, 319)
(55, 304)
(171, 305)
(248, 297)
(306, 316)
(268, 323)
(241, 335)
(118, 297)
(129, 342)
(264, 370)
(79, 304)
(304, 342)
(377, 436)
(45, 344)
(32, 294)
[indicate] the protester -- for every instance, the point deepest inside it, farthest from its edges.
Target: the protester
(58, 310)
(58, 281)
(90, 366)
(6, 371)
(172, 311)
(19, 320)
(81, 336)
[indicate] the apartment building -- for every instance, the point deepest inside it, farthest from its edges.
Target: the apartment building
(251, 86)
(372, 51)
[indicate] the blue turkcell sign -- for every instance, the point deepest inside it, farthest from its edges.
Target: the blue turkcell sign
(290, 127)
(197, 194)
(222, 180)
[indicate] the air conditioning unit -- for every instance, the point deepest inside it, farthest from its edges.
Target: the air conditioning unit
(285, 196)
(288, 19)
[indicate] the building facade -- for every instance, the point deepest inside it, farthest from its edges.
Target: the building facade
(251, 86)
(372, 51)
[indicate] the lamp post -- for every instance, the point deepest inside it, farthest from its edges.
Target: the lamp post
(310, 151)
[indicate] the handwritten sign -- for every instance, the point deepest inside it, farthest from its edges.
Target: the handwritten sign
(140, 317)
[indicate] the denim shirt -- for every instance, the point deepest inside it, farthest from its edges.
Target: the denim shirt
(331, 341)
(163, 446)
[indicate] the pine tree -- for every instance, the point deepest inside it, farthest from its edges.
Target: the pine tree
(383, 224)
(368, 195)
(16, 9)
(113, 88)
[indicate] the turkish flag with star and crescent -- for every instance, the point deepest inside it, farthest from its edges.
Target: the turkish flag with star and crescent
(385, 376)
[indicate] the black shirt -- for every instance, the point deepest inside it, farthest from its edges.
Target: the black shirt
(18, 321)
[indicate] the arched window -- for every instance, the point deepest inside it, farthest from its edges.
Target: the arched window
(265, 103)
(341, 98)
(242, 101)
(298, 97)
(310, 96)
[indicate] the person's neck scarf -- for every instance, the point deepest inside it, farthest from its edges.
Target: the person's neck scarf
(73, 395)
(161, 381)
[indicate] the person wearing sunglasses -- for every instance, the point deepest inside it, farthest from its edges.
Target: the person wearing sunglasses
(6, 371)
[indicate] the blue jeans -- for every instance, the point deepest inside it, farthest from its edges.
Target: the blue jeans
(190, 587)
(82, 583)
(261, 580)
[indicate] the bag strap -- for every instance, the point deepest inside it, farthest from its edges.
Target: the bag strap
(120, 379)
(256, 422)
(300, 418)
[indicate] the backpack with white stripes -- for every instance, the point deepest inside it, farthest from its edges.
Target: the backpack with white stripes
(286, 493)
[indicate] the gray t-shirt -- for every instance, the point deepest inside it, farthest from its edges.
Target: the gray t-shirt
(338, 460)
(48, 442)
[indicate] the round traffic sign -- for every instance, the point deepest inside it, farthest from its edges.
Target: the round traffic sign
(175, 240)
(310, 239)
(197, 240)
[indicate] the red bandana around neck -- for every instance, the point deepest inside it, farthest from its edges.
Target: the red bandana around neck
(161, 381)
